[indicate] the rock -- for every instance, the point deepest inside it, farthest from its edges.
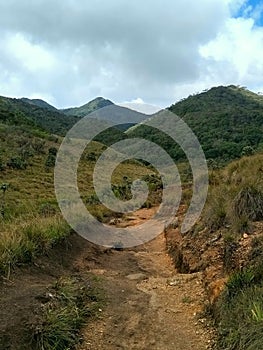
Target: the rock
(174, 283)
(137, 277)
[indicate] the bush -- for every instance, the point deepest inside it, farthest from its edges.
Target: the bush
(53, 151)
(249, 204)
(50, 161)
(248, 151)
(17, 163)
(2, 165)
(39, 146)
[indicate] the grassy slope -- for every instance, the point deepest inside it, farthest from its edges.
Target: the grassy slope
(30, 199)
(234, 206)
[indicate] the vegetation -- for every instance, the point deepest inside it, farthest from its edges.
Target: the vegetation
(21, 241)
(30, 221)
(72, 302)
(239, 310)
(29, 116)
(88, 108)
(38, 102)
(226, 120)
(235, 202)
(236, 195)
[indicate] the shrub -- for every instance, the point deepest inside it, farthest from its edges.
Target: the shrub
(17, 163)
(50, 161)
(2, 165)
(248, 151)
(38, 146)
(73, 302)
(53, 151)
(249, 203)
(92, 157)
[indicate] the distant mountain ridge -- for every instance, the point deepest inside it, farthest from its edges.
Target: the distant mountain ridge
(39, 103)
(88, 108)
(39, 115)
(226, 120)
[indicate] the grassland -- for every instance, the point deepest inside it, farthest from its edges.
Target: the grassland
(31, 222)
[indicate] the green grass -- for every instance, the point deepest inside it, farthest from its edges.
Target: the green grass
(24, 238)
(234, 204)
(239, 313)
(73, 302)
(30, 222)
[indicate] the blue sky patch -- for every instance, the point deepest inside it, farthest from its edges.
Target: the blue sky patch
(252, 9)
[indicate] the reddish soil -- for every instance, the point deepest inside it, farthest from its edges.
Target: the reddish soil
(150, 306)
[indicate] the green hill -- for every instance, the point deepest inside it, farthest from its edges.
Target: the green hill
(87, 108)
(17, 112)
(39, 103)
(228, 122)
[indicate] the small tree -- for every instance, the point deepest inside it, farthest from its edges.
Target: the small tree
(51, 158)
(248, 151)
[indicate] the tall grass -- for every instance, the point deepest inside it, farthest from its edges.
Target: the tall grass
(235, 202)
(24, 238)
(236, 195)
(239, 314)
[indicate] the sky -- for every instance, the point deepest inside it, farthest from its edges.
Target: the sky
(153, 52)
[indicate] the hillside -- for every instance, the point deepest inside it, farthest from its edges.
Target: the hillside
(38, 102)
(228, 122)
(226, 246)
(17, 112)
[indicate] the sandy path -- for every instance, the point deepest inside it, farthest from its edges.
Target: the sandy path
(149, 305)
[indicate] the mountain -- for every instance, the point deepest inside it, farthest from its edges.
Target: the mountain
(39, 103)
(117, 114)
(87, 108)
(23, 114)
(228, 121)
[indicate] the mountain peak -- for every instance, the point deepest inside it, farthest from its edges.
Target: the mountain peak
(97, 103)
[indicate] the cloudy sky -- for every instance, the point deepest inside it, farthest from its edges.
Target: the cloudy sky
(153, 51)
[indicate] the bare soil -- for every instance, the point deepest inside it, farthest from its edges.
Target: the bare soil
(149, 305)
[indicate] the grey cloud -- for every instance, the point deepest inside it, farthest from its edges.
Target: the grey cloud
(120, 48)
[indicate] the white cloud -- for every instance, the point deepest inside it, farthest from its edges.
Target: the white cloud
(30, 56)
(239, 48)
(140, 106)
(161, 51)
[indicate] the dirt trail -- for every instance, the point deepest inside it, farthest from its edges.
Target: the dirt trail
(149, 305)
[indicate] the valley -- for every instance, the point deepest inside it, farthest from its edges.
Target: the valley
(197, 290)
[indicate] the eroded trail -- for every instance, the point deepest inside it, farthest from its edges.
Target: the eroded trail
(149, 305)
